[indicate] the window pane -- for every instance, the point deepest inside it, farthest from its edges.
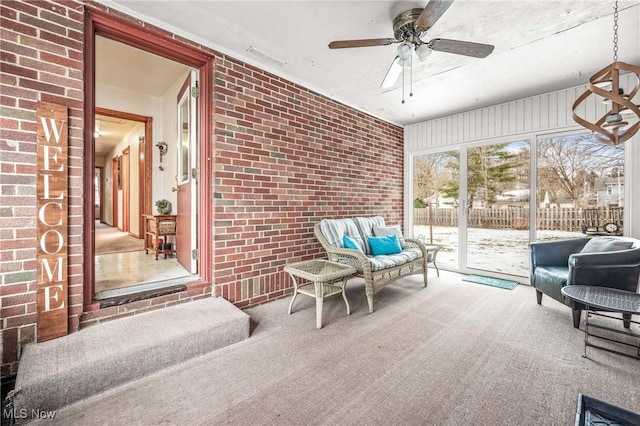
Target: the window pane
(183, 137)
(580, 187)
(435, 189)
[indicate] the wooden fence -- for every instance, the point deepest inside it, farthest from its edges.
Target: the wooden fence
(562, 219)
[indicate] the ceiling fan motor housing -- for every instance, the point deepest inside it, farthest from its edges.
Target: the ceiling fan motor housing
(404, 28)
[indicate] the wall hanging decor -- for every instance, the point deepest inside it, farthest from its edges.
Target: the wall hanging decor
(162, 146)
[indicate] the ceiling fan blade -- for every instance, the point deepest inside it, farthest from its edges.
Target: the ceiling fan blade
(467, 48)
(431, 13)
(341, 44)
(393, 73)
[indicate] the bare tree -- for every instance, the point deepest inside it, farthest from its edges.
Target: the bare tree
(569, 164)
(429, 174)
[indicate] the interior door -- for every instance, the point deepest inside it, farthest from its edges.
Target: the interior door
(115, 179)
(98, 201)
(186, 241)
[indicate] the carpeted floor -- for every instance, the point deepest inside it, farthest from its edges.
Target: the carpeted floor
(110, 240)
(453, 353)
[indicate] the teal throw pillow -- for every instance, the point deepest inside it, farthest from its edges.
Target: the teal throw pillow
(350, 243)
(604, 244)
(385, 245)
(390, 230)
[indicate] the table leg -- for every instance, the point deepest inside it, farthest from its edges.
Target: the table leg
(319, 301)
(295, 293)
(586, 331)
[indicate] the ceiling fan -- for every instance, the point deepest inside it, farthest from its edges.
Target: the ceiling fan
(408, 29)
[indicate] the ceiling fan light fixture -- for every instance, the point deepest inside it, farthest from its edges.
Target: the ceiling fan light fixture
(423, 51)
(404, 50)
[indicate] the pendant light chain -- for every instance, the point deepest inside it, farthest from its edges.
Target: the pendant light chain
(615, 32)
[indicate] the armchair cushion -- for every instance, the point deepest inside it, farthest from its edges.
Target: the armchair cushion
(551, 279)
(605, 244)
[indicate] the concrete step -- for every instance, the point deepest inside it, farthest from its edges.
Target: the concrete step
(59, 372)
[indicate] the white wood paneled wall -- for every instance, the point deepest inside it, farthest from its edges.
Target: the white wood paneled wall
(546, 113)
(527, 117)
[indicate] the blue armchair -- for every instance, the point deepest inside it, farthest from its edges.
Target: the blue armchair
(612, 262)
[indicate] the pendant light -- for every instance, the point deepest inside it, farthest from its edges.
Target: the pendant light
(611, 129)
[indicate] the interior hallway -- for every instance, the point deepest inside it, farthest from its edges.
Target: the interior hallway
(123, 267)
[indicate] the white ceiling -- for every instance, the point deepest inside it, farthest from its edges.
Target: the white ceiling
(540, 46)
(127, 68)
(109, 132)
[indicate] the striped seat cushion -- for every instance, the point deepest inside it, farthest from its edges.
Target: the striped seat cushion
(381, 262)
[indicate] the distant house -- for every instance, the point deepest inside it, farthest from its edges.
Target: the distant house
(609, 192)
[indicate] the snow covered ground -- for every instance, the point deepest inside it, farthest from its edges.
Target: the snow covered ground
(500, 250)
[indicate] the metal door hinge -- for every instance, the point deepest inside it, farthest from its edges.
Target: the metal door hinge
(195, 173)
(194, 254)
(195, 91)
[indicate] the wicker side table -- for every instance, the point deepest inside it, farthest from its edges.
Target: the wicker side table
(319, 279)
(432, 251)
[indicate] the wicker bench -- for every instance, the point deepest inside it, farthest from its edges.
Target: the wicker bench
(377, 271)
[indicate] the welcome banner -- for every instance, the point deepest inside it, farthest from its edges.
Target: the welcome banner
(52, 216)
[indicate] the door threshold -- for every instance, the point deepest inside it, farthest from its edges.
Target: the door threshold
(142, 291)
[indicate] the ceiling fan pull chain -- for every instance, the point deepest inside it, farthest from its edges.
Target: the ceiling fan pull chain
(411, 76)
(403, 70)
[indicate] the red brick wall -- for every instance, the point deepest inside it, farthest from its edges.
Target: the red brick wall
(41, 60)
(284, 158)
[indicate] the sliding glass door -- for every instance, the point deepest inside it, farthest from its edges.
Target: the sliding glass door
(484, 203)
(435, 203)
(496, 207)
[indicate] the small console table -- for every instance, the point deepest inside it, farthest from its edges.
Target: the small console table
(319, 279)
(156, 230)
(611, 300)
